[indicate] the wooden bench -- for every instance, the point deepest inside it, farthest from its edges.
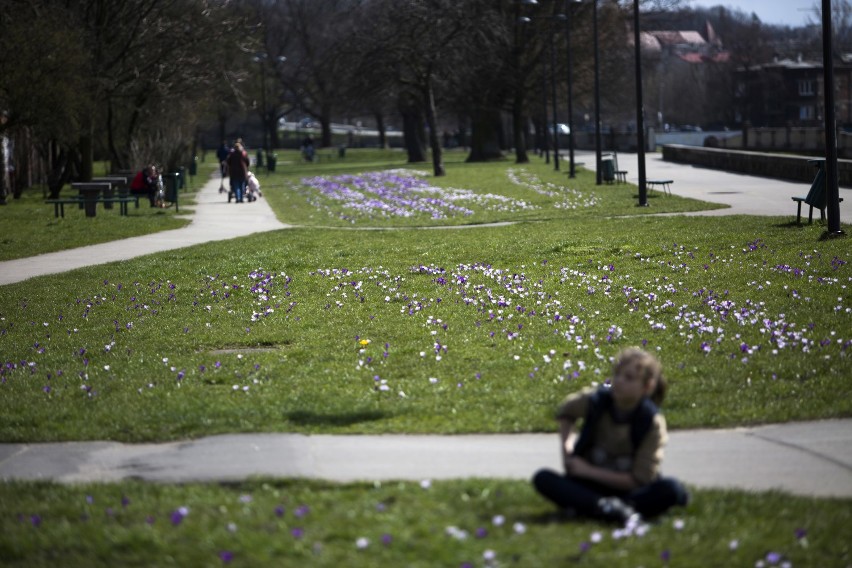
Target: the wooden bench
(665, 184)
(816, 197)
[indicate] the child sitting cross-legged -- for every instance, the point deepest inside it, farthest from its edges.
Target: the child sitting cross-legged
(612, 472)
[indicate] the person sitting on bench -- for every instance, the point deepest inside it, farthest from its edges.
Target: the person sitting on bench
(145, 183)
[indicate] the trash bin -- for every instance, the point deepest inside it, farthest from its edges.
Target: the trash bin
(341, 152)
(193, 166)
(171, 185)
(608, 170)
(271, 160)
(181, 177)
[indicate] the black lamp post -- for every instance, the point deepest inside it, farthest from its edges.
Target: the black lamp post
(260, 58)
(569, 62)
(640, 108)
(832, 193)
(598, 161)
(546, 132)
(553, 101)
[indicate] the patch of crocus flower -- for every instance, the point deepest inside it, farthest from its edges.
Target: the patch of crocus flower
(398, 193)
(567, 198)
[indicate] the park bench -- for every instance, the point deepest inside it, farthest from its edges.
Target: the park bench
(816, 196)
(665, 184)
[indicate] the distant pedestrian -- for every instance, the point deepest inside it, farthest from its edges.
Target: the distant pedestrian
(308, 149)
(238, 166)
(612, 472)
(222, 155)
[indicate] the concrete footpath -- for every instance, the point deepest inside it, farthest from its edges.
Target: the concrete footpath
(806, 458)
(212, 219)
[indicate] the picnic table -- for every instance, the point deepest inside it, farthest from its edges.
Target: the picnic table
(89, 195)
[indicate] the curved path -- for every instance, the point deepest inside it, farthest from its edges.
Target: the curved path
(213, 219)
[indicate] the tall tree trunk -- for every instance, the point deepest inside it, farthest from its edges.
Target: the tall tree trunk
(434, 142)
(412, 126)
(485, 136)
(380, 126)
(87, 153)
(519, 130)
(325, 122)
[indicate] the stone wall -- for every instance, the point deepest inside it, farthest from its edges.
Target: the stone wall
(780, 166)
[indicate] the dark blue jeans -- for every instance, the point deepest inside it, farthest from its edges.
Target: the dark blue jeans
(582, 495)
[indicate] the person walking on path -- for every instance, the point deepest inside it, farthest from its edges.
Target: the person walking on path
(222, 155)
(612, 472)
(238, 167)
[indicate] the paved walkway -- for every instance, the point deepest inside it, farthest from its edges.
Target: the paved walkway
(213, 219)
(808, 458)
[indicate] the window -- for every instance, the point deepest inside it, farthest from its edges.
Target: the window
(806, 112)
(807, 87)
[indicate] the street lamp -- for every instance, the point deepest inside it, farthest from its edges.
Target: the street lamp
(568, 4)
(832, 193)
(260, 58)
(552, 32)
(553, 95)
(598, 160)
(640, 108)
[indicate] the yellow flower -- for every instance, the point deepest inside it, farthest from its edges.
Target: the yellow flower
(364, 342)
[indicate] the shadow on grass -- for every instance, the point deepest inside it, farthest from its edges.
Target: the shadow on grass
(310, 418)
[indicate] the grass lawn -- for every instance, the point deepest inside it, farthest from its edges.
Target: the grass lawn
(454, 524)
(30, 227)
(344, 326)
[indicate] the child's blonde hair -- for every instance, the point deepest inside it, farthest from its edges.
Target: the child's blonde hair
(648, 367)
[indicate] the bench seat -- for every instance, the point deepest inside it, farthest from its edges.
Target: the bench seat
(665, 184)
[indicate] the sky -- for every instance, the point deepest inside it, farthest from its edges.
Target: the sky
(785, 12)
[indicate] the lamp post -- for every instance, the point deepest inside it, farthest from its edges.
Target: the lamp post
(598, 161)
(569, 62)
(832, 194)
(553, 101)
(260, 58)
(640, 108)
(545, 132)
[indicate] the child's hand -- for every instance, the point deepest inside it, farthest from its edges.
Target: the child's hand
(578, 467)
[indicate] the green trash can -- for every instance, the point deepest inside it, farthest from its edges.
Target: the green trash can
(193, 167)
(171, 185)
(271, 160)
(608, 170)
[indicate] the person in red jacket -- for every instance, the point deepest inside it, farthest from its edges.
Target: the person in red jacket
(145, 182)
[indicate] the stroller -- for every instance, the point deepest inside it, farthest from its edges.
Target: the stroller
(252, 187)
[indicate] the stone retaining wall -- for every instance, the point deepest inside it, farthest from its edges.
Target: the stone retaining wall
(780, 166)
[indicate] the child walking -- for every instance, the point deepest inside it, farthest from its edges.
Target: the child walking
(612, 472)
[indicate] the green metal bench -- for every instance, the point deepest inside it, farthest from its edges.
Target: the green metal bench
(816, 197)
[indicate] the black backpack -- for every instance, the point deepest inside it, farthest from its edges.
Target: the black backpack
(601, 402)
